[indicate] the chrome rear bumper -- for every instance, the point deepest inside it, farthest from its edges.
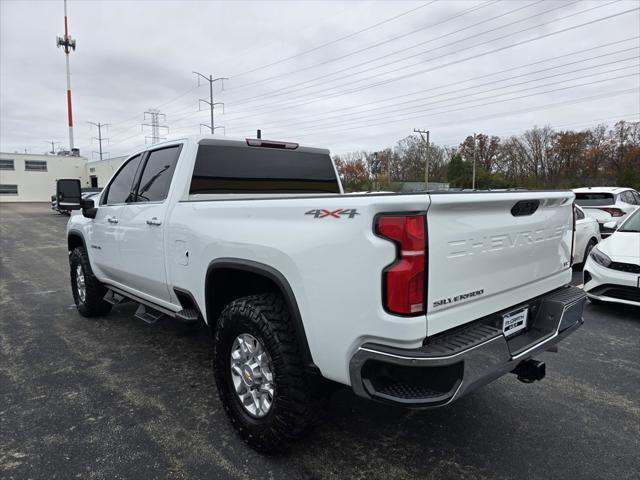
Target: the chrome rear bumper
(454, 364)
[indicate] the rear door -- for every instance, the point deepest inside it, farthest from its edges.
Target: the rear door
(491, 251)
(142, 224)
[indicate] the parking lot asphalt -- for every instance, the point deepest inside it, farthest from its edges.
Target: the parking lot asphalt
(116, 398)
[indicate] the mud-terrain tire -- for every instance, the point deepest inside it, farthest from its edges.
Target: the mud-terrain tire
(90, 302)
(266, 320)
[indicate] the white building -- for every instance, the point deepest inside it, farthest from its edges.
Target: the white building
(32, 178)
(99, 172)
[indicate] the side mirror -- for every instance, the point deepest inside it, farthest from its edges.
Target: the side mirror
(610, 225)
(68, 194)
(88, 208)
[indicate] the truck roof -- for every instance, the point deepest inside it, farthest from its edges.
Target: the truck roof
(240, 142)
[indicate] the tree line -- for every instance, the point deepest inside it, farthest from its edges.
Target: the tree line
(541, 157)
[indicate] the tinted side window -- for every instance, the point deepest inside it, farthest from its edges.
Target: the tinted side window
(579, 214)
(636, 195)
(227, 169)
(157, 174)
(120, 188)
(628, 197)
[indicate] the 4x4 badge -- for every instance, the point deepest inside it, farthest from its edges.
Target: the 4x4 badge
(322, 213)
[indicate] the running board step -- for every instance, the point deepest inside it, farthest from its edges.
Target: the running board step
(148, 315)
(114, 298)
(188, 315)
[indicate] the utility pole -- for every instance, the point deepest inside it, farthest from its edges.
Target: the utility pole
(68, 44)
(53, 145)
(473, 179)
(99, 138)
(154, 117)
(210, 102)
(428, 159)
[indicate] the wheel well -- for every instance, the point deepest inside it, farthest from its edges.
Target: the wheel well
(74, 241)
(229, 279)
(227, 284)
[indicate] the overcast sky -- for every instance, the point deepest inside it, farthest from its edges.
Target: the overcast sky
(344, 75)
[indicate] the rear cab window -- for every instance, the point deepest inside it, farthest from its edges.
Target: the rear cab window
(594, 199)
(244, 169)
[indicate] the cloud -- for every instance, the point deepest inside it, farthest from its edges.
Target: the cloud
(133, 56)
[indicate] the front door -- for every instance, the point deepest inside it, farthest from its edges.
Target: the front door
(104, 250)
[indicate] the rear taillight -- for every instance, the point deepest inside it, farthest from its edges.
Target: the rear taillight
(614, 212)
(403, 280)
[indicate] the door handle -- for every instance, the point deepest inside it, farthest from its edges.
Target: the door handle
(154, 221)
(112, 220)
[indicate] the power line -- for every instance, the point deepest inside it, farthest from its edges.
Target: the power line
(437, 67)
(135, 117)
(280, 126)
(332, 42)
(358, 89)
(423, 52)
(554, 126)
(467, 120)
(378, 44)
(478, 77)
(501, 89)
(419, 113)
(239, 57)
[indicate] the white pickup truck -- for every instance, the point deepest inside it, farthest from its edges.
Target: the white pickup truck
(410, 299)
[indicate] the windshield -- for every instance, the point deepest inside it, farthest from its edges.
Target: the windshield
(593, 199)
(632, 224)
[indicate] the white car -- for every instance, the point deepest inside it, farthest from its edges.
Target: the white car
(612, 271)
(587, 235)
(619, 202)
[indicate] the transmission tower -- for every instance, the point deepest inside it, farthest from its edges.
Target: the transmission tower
(99, 138)
(210, 102)
(154, 118)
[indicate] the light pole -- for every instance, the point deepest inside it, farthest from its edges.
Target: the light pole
(426, 165)
(473, 179)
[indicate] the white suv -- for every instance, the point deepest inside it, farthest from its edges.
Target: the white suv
(619, 202)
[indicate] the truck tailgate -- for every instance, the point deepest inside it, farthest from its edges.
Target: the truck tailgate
(490, 251)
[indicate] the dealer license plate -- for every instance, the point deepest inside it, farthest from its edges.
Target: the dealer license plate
(513, 322)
